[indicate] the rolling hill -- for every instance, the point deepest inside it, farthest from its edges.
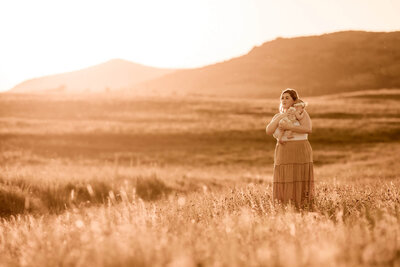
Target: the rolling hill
(109, 76)
(316, 65)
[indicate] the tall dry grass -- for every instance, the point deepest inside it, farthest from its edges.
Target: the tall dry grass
(352, 225)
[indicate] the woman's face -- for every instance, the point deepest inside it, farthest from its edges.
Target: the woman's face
(286, 101)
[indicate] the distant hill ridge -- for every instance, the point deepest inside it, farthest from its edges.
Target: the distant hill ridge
(315, 65)
(112, 75)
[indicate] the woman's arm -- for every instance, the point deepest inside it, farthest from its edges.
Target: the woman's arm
(299, 115)
(305, 125)
(271, 127)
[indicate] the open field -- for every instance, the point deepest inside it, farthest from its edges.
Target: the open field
(156, 181)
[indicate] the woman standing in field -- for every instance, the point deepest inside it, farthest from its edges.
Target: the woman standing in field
(293, 162)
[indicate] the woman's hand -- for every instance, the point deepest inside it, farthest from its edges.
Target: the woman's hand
(283, 126)
(305, 125)
(283, 115)
(274, 124)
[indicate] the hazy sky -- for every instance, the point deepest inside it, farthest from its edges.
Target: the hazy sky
(41, 37)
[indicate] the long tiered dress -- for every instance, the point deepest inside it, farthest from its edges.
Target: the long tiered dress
(293, 171)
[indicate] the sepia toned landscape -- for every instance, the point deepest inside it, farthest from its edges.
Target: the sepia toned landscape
(123, 180)
(134, 133)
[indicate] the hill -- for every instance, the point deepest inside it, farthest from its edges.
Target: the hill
(111, 75)
(316, 65)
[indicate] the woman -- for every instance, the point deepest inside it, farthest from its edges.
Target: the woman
(293, 163)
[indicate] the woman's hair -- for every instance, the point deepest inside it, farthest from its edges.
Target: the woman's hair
(293, 94)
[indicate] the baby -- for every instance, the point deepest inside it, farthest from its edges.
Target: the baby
(294, 114)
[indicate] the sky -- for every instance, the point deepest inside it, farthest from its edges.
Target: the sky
(44, 37)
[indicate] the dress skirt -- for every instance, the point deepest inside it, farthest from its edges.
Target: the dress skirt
(294, 173)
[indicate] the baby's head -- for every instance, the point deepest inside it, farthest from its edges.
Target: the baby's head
(291, 110)
(299, 104)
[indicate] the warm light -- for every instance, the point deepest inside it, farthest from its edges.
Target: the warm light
(45, 37)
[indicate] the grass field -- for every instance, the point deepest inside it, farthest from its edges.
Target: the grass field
(174, 181)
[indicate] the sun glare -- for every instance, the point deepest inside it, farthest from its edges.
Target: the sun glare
(45, 37)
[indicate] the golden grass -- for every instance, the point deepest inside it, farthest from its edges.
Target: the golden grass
(188, 182)
(352, 225)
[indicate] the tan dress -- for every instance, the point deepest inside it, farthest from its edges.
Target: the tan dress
(293, 171)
